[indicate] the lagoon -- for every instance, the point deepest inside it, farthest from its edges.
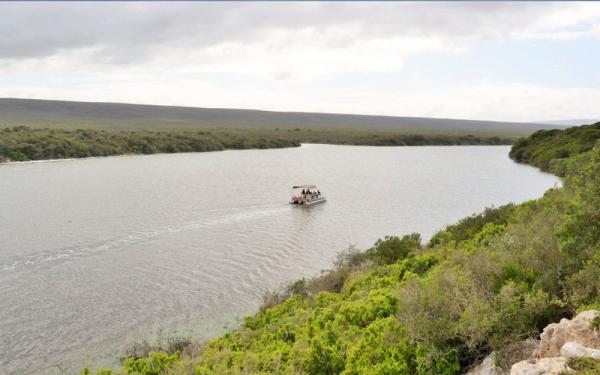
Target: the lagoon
(96, 254)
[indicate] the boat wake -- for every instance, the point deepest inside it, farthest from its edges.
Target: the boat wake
(118, 243)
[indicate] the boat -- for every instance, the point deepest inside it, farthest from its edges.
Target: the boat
(306, 195)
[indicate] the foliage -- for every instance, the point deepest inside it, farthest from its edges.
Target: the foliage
(467, 227)
(484, 284)
(100, 371)
(584, 366)
(21, 143)
(154, 363)
(595, 324)
(393, 249)
(545, 146)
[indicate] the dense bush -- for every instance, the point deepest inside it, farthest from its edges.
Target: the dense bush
(21, 143)
(486, 283)
(546, 146)
(154, 363)
(466, 228)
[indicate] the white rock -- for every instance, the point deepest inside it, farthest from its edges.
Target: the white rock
(577, 330)
(574, 349)
(542, 366)
(487, 367)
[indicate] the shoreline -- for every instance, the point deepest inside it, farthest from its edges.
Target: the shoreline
(303, 144)
(388, 297)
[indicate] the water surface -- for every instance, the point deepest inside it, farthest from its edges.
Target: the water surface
(98, 253)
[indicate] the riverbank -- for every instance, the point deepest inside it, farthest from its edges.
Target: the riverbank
(187, 243)
(484, 284)
(21, 143)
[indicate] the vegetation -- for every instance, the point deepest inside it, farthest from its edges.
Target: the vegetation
(20, 143)
(485, 284)
(545, 146)
(585, 366)
(57, 114)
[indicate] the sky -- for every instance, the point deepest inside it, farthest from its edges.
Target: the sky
(508, 61)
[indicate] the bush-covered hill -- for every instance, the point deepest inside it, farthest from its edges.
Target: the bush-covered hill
(402, 307)
(544, 146)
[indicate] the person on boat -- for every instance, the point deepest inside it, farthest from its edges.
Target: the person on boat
(303, 192)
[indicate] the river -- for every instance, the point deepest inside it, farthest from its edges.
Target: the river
(96, 254)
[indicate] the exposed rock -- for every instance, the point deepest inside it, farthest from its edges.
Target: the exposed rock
(487, 367)
(577, 330)
(574, 349)
(542, 366)
(558, 343)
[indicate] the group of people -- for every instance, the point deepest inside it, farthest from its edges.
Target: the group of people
(312, 194)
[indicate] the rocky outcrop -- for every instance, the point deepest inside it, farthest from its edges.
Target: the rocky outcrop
(559, 342)
(541, 366)
(575, 350)
(576, 330)
(487, 367)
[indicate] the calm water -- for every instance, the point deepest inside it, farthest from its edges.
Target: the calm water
(96, 254)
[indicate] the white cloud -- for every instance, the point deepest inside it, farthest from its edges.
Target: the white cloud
(128, 32)
(286, 56)
(505, 101)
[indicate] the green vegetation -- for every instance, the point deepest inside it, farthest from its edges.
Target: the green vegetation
(545, 146)
(47, 129)
(585, 366)
(21, 143)
(484, 284)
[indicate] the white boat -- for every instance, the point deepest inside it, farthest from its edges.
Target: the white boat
(306, 195)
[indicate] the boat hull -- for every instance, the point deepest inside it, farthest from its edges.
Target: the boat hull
(311, 202)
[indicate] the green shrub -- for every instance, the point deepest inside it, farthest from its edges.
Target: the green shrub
(100, 371)
(382, 349)
(585, 366)
(392, 249)
(156, 363)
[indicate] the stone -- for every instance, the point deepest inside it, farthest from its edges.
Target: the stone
(541, 366)
(574, 349)
(487, 367)
(576, 330)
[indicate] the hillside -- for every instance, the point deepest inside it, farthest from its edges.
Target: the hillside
(66, 114)
(484, 284)
(543, 148)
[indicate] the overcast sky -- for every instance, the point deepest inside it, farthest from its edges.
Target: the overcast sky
(499, 61)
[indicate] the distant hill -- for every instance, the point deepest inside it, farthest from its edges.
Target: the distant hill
(67, 114)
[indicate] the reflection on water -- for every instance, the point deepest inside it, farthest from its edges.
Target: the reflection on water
(99, 253)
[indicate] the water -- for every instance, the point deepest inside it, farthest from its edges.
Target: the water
(97, 254)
